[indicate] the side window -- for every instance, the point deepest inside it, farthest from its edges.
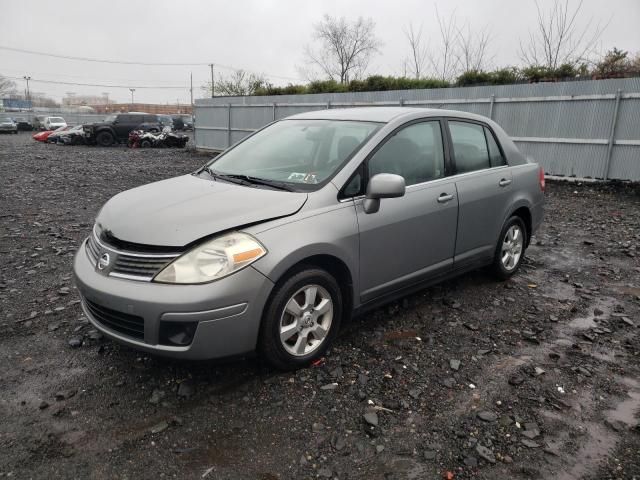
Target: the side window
(354, 186)
(469, 146)
(149, 119)
(415, 153)
(495, 156)
(124, 119)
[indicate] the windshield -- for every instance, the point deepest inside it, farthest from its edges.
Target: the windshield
(56, 120)
(304, 152)
(4, 118)
(110, 118)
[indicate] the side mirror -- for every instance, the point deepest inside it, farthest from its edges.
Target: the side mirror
(383, 185)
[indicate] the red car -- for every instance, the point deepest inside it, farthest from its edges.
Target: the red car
(43, 136)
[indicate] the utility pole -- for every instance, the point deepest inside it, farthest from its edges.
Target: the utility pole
(191, 91)
(27, 78)
(132, 90)
(212, 81)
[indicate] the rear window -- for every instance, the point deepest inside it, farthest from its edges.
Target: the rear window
(470, 148)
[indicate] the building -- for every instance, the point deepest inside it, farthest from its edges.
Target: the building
(166, 109)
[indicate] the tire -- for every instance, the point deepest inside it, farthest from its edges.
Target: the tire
(104, 139)
(302, 338)
(145, 144)
(510, 249)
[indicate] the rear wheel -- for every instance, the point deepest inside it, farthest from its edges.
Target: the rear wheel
(301, 319)
(510, 249)
(104, 139)
(145, 144)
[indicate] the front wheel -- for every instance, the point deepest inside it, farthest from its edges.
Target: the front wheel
(104, 139)
(301, 319)
(510, 249)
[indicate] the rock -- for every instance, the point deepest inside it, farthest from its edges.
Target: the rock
(329, 386)
(628, 321)
(471, 462)
(529, 443)
(597, 312)
(186, 389)
(95, 335)
(415, 393)
(516, 380)
(371, 418)
(588, 242)
(338, 442)
(59, 396)
(507, 459)
(485, 453)
(538, 371)
(159, 427)
(43, 405)
(325, 473)
(156, 396)
(317, 427)
(379, 448)
(75, 342)
(449, 382)
(429, 455)
(487, 416)
(471, 326)
(454, 364)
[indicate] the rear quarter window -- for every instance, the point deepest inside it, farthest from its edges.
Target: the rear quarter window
(495, 154)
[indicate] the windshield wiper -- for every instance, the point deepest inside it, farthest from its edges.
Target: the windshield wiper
(249, 180)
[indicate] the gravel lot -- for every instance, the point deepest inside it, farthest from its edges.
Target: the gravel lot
(538, 377)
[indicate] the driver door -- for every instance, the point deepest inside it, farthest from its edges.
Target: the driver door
(411, 238)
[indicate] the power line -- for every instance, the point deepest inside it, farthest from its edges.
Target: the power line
(160, 87)
(125, 62)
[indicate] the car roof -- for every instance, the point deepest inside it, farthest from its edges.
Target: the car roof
(380, 114)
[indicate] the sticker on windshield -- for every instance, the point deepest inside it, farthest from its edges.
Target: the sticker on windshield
(303, 177)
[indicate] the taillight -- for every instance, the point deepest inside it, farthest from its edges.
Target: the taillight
(541, 178)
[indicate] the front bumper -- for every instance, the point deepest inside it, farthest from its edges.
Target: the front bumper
(227, 311)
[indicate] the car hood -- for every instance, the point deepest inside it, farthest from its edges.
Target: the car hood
(181, 210)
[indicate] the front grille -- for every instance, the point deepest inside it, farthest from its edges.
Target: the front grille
(92, 249)
(139, 266)
(125, 323)
(134, 265)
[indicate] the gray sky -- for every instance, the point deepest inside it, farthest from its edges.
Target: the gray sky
(264, 36)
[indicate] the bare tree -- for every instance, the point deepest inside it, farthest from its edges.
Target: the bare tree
(558, 39)
(7, 86)
(239, 82)
(345, 48)
(444, 62)
(415, 63)
(473, 49)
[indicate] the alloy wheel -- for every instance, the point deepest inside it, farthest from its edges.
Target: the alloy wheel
(306, 320)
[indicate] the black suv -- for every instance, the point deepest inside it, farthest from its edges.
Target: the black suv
(116, 128)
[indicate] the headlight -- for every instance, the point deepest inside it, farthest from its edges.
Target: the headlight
(212, 260)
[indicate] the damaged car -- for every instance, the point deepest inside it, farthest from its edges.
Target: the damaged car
(272, 245)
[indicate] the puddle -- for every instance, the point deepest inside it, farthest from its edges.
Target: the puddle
(590, 321)
(626, 410)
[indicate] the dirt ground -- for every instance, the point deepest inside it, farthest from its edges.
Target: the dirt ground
(538, 377)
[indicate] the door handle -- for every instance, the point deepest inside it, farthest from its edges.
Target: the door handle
(504, 182)
(444, 198)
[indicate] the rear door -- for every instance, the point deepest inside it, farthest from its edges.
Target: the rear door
(410, 238)
(483, 183)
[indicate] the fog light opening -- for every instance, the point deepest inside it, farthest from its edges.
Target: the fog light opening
(177, 334)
